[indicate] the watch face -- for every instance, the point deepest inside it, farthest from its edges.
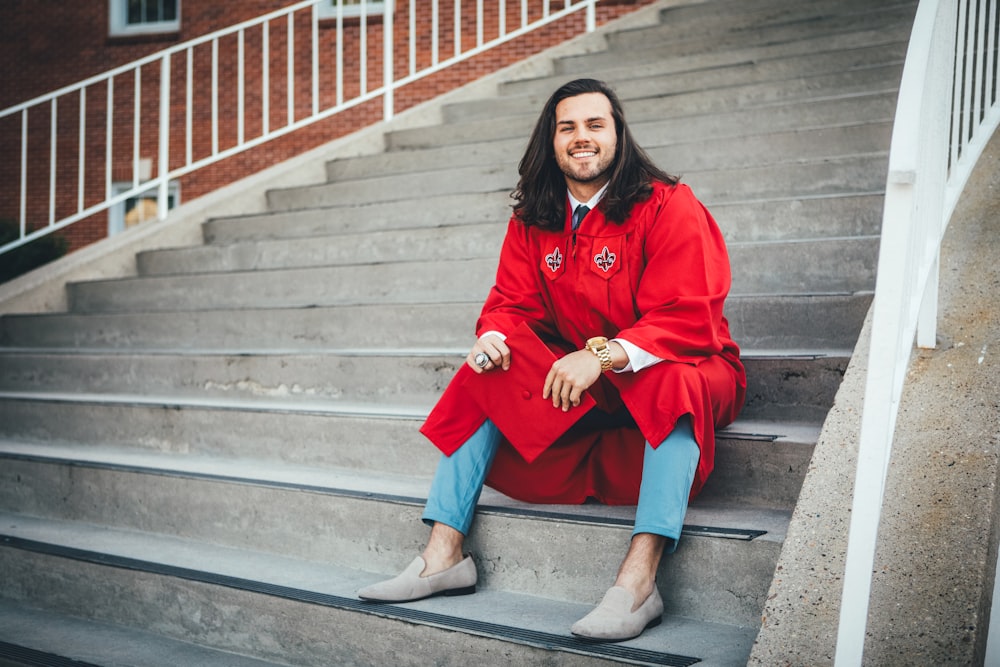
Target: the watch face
(598, 341)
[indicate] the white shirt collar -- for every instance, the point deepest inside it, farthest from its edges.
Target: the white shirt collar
(574, 202)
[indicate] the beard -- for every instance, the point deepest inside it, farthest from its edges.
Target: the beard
(589, 172)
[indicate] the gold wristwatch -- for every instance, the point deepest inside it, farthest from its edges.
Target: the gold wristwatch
(599, 346)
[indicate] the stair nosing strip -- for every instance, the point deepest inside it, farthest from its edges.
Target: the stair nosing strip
(499, 631)
(742, 534)
(30, 656)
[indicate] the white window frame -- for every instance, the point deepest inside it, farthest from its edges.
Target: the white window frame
(119, 25)
(328, 9)
(116, 214)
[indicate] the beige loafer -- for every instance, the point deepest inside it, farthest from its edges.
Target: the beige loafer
(613, 620)
(459, 579)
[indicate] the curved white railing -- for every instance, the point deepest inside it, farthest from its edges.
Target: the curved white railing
(947, 110)
(115, 104)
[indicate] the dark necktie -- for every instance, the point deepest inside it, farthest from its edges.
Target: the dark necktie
(578, 215)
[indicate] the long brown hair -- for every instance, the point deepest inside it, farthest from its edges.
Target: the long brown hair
(540, 196)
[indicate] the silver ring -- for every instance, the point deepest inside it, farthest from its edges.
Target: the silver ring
(482, 359)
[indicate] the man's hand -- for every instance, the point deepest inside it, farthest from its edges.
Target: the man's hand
(570, 376)
(494, 348)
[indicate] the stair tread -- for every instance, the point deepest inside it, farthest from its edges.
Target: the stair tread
(496, 611)
(389, 487)
(49, 636)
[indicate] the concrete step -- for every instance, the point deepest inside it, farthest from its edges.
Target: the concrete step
(686, 26)
(659, 131)
(305, 612)
(310, 514)
(34, 637)
(788, 381)
(758, 463)
(422, 244)
(796, 271)
(851, 53)
(799, 265)
(857, 173)
(431, 211)
(791, 218)
(803, 395)
(665, 42)
(823, 321)
(800, 75)
(747, 220)
(378, 188)
(809, 130)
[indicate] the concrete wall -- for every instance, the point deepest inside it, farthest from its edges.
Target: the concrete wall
(934, 572)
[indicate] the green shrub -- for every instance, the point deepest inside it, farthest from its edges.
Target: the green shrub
(29, 256)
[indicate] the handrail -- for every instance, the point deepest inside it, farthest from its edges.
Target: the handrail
(947, 110)
(152, 77)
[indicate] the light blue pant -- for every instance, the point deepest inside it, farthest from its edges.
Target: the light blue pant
(667, 474)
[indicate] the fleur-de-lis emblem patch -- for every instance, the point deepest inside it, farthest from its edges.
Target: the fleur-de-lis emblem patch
(605, 260)
(554, 260)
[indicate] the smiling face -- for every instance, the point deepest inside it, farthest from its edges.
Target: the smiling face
(585, 142)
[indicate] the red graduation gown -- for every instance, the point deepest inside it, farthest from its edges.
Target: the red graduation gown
(659, 281)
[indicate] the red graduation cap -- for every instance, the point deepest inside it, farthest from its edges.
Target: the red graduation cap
(512, 399)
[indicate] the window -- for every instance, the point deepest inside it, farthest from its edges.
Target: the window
(138, 209)
(328, 8)
(143, 17)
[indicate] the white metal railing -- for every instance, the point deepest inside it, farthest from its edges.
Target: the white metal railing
(947, 110)
(117, 102)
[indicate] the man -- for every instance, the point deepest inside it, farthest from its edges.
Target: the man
(634, 285)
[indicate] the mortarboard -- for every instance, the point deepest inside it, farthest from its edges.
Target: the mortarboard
(512, 399)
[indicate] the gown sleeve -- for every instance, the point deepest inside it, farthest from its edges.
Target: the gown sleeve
(684, 284)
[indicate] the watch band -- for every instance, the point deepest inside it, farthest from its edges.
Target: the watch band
(599, 346)
(604, 354)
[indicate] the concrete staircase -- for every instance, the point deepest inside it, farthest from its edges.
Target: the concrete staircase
(202, 464)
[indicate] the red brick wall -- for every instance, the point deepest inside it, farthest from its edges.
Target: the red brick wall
(42, 50)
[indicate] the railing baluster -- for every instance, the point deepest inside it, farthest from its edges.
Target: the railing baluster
(23, 213)
(980, 65)
(413, 37)
(340, 52)
(315, 60)
(290, 46)
(388, 98)
(502, 18)
(968, 61)
(458, 27)
(189, 109)
(363, 47)
(240, 90)
(435, 30)
(136, 116)
(109, 124)
(215, 97)
(163, 169)
(956, 97)
(991, 47)
(524, 13)
(265, 79)
(82, 151)
(53, 139)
